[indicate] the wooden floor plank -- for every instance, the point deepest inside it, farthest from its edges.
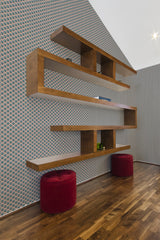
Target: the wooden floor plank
(107, 208)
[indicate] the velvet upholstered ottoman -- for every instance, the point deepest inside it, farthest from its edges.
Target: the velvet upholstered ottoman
(122, 165)
(58, 191)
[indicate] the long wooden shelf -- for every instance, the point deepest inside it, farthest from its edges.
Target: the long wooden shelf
(53, 94)
(37, 61)
(78, 44)
(40, 59)
(65, 128)
(60, 160)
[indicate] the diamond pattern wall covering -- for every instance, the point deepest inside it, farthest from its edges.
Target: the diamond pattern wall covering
(25, 121)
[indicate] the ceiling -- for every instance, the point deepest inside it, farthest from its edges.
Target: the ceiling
(131, 24)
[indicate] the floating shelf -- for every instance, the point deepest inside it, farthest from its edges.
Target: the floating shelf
(35, 83)
(78, 44)
(60, 160)
(88, 146)
(39, 59)
(58, 95)
(88, 128)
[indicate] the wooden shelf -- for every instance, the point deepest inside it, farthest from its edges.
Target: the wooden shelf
(60, 160)
(88, 146)
(65, 128)
(78, 44)
(57, 95)
(36, 62)
(39, 59)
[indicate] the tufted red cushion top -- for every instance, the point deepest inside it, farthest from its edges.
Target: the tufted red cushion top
(59, 176)
(122, 155)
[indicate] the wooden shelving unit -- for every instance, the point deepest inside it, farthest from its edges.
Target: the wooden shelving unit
(91, 54)
(60, 160)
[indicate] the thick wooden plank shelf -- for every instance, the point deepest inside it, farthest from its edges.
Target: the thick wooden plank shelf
(78, 44)
(36, 62)
(65, 128)
(58, 95)
(88, 146)
(60, 160)
(39, 59)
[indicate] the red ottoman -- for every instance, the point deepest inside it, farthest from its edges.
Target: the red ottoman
(122, 165)
(58, 191)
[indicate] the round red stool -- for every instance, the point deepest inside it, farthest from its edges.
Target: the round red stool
(122, 165)
(58, 191)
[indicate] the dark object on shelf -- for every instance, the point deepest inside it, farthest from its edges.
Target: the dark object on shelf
(69, 59)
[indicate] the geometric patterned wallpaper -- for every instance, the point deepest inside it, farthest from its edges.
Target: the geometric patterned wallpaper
(25, 121)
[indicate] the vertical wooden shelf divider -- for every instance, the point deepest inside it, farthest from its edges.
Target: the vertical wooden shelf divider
(32, 73)
(88, 59)
(88, 142)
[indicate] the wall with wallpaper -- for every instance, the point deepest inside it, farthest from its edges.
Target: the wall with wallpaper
(148, 103)
(25, 128)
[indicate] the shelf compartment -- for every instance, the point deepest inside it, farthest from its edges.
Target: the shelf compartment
(76, 43)
(108, 67)
(130, 117)
(108, 138)
(39, 59)
(60, 160)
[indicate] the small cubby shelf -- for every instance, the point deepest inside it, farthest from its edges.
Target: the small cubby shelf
(90, 53)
